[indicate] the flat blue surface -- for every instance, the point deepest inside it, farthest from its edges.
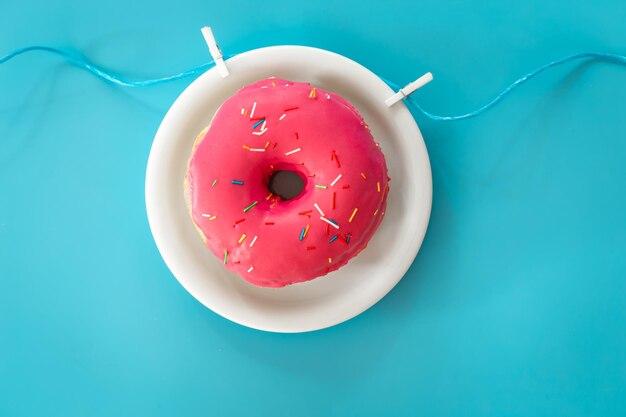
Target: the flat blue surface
(515, 306)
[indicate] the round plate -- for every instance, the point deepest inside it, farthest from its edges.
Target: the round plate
(325, 301)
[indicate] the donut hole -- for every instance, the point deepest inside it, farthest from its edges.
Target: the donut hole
(286, 184)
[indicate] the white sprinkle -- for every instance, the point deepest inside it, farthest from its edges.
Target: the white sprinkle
(263, 125)
(292, 152)
(257, 149)
(251, 268)
(319, 209)
(253, 240)
(328, 96)
(335, 181)
(206, 215)
(283, 116)
(242, 110)
(324, 219)
(260, 132)
(252, 111)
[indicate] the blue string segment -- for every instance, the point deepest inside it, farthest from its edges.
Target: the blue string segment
(83, 63)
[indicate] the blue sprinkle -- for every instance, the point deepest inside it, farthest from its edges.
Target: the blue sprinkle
(237, 182)
(302, 233)
(332, 239)
(348, 240)
(258, 123)
(334, 222)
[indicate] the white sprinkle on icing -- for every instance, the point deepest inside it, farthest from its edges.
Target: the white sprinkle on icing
(251, 268)
(253, 109)
(336, 179)
(324, 219)
(206, 215)
(253, 240)
(260, 132)
(263, 125)
(257, 149)
(283, 116)
(292, 152)
(319, 209)
(243, 110)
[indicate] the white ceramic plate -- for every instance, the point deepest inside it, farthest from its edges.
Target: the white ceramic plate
(340, 295)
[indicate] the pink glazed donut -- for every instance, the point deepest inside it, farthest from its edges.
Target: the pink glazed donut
(272, 126)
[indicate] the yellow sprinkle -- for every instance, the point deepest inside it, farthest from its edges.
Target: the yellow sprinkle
(313, 93)
(242, 238)
(268, 196)
(330, 260)
(246, 147)
(306, 231)
(363, 175)
(378, 186)
(352, 217)
(212, 218)
(273, 84)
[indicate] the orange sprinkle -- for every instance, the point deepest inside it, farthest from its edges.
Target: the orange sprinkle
(378, 185)
(246, 147)
(313, 93)
(269, 196)
(267, 144)
(306, 230)
(273, 84)
(363, 175)
(376, 212)
(330, 260)
(212, 217)
(242, 238)
(353, 214)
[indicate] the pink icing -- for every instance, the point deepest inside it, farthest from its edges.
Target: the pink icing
(332, 139)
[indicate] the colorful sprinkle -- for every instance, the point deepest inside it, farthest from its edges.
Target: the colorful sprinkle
(250, 269)
(310, 248)
(254, 126)
(330, 222)
(206, 215)
(257, 149)
(283, 116)
(246, 147)
(243, 110)
(269, 223)
(253, 109)
(291, 108)
(225, 256)
(242, 238)
(213, 218)
(345, 186)
(297, 137)
(313, 93)
(376, 212)
(239, 221)
(330, 260)
(214, 182)
(306, 230)
(332, 239)
(378, 185)
(353, 214)
(319, 209)
(321, 186)
(363, 176)
(333, 156)
(253, 240)
(259, 132)
(250, 206)
(236, 182)
(269, 196)
(335, 180)
(334, 198)
(292, 152)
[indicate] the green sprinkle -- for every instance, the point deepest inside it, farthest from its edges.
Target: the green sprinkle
(225, 256)
(214, 182)
(321, 186)
(250, 206)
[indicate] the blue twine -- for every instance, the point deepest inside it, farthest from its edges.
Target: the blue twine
(195, 71)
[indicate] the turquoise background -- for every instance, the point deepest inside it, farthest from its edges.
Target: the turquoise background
(515, 305)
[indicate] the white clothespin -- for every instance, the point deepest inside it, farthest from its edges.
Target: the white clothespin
(409, 89)
(215, 51)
